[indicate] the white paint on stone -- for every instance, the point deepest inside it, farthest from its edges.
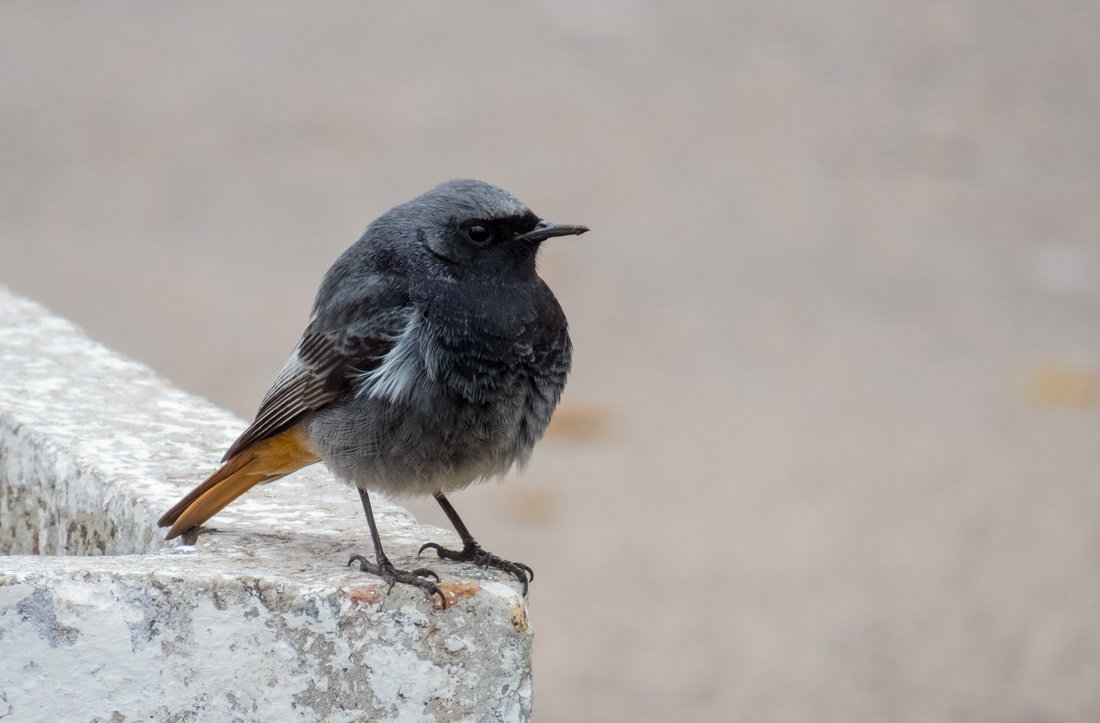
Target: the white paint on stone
(261, 620)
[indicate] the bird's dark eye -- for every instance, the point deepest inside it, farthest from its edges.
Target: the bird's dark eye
(478, 234)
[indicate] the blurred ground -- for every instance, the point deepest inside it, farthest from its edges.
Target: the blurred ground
(830, 447)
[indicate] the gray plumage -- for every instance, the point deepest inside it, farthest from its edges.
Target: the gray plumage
(431, 360)
(434, 357)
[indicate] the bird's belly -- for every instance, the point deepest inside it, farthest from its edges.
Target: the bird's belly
(433, 441)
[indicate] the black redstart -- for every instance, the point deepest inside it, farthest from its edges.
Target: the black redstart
(433, 358)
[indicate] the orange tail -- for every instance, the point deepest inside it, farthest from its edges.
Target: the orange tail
(266, 460)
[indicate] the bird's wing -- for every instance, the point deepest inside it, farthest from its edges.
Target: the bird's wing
(339, 345)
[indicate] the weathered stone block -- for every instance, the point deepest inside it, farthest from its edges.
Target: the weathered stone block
(261, 620)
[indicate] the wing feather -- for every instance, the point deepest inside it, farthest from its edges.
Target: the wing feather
(323, 366)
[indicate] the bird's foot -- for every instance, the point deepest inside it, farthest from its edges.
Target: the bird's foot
(473, 553)
(417, 578)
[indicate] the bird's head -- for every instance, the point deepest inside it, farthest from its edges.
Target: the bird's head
(471, 228)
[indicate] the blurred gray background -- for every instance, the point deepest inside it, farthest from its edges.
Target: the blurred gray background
(830, 450)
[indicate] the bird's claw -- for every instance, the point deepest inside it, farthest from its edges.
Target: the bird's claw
(482, 558)
(392, 576)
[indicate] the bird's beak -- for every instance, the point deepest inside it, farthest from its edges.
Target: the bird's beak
(546, 230)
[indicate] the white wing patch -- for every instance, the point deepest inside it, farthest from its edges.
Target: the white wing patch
(402, 369)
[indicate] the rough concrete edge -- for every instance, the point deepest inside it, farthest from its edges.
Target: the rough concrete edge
(61, 386)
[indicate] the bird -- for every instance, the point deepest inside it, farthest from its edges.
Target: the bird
(433, 358)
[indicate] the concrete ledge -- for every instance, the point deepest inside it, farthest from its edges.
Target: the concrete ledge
(260, 620)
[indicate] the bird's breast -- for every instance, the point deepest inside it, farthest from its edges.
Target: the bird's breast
(456, 398)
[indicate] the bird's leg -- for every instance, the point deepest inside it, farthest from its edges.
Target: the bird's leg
(472, 552)
(383, 568)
